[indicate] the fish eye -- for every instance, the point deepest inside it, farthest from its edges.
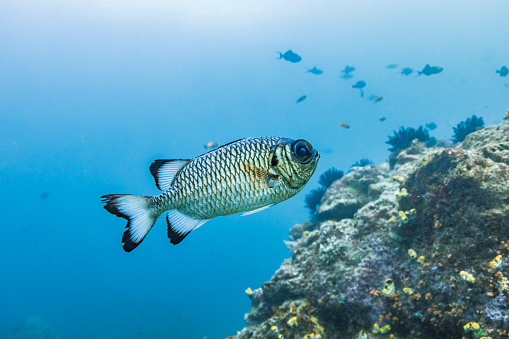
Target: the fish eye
(302, 151)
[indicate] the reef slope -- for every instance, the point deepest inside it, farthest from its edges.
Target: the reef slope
(449, 205)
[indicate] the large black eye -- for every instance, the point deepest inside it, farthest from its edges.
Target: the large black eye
(302, 151)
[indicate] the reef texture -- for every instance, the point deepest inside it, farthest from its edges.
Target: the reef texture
(449, 205)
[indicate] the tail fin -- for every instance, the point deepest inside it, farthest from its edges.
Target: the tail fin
(280, 55)
(137, 210)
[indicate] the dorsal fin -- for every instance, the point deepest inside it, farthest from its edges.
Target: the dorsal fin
(164, 170)
(180, 225)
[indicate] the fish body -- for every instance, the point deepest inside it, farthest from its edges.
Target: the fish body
(382, 118)
(245, 175)
(378, 99)
(429, 70)
(315, 70)
(503, 71)
(301, 99)
(391, 66)
(406, 71)
(210, 145)
(344, 125)
(347, 76)
(290, 56)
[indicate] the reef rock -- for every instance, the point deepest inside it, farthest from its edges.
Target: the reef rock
(450, 206)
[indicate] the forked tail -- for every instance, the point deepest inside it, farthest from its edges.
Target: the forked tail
(138, 211)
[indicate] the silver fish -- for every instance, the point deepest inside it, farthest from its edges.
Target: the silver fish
(249, 174)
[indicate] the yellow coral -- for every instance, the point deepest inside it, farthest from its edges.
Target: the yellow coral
(497, 262)
(292, 321)
(392, 219)
(408, 290)
(467, 276)
(398, 178)
(249, 291)
(385, 329)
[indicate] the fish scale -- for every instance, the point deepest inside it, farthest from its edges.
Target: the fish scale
(246, 175)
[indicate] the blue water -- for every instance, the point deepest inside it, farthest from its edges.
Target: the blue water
(92, 92)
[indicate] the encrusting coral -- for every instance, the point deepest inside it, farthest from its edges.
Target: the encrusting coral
(418, 248)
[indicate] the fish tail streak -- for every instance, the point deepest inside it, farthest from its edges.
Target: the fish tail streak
(137, 210)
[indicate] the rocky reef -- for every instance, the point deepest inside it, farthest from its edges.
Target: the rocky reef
(416, 247)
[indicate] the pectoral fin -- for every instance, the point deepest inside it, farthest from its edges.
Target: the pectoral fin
(262, 177)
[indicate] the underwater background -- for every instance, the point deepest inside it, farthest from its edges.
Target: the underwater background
(91, 92)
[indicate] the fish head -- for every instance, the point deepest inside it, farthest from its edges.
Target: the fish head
(294, 161)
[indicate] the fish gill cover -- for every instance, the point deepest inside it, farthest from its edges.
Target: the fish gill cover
(421, 253)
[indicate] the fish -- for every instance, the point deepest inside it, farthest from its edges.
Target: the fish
(431, 126)
(389, 288)
(412, 253)
(503, 71)
(344, 124)
(315, 70)
(406, 71)
(382, 119)
(44, 195)
(391, 66)
(210, 145)
(348, 69)
(347, 76)
(301, 99)
(290, 56)
(429, 70)
(359, 84)
(378, 99)
(247, 175)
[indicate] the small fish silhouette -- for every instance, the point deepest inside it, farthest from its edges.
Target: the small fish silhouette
(406, 71)
(348, 69)
(503, 71)
(382, 119)
(431, 126)
(378, 99)
(391, 66)
(344, 124)
(290, 56)
(347, 76)
(301, 99)
(315, 70)
(359, 84)
(210, 145)
(429, 70)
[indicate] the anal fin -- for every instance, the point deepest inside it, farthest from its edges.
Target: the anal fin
(256, 210)
(180, 225)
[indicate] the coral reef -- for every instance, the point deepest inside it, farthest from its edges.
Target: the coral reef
(32, 328)
(404, 137)
(363, 162)
(314, 197)
(413, 249)
(466, 127)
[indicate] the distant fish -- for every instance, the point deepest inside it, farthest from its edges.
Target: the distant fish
(301, 99)
(347, 76)
(431, 126)
(247, 175)
(290, 56)
(344, 124)
(378, 99)
(428, 70)
(44, 195)
(348, 69)
(382, 119)
(503, 71)
(210, 145)
(406, 71)
(315, 70)
(391, 66)
(372, 97)
(359, 84)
